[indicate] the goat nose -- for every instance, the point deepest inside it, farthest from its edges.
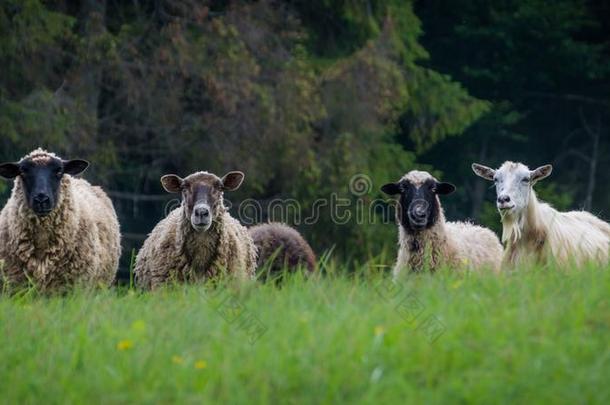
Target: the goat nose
(503, 199)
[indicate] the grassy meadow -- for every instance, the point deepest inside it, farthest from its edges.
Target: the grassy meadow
(532, 336)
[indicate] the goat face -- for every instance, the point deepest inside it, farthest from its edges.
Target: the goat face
(418, 206)
(513, 183)
(41, 176)
(202, 195)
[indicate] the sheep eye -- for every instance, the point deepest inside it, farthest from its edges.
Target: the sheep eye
(525, 180)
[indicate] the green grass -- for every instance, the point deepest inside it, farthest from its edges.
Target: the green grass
(535, 336)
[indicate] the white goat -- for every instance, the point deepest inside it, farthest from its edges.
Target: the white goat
(535, 231)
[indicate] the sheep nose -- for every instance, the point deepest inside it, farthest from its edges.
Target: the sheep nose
(503, 199)
(202, 212)
(42, 199)
(419, 212)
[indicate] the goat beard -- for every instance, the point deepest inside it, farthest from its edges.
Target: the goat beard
(512, 227)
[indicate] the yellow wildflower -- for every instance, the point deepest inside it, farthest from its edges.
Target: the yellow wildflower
(177, 360)
(124, 344)
(200, 364)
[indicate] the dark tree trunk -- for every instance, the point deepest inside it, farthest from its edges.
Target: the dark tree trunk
(594, 133)
(478, 191)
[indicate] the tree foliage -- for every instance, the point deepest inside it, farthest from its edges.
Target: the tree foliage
(303, 95)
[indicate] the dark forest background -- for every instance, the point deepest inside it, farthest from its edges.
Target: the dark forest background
(302, 95)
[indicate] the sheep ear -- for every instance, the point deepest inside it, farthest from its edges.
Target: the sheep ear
(483, 171)
(172, 183)
(444, 188)
(9, 170)
(232, 180)
(541, 173)
(391, 188)
(75, 167)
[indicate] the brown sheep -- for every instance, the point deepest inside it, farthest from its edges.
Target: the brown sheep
(281, 248)
(199, 240)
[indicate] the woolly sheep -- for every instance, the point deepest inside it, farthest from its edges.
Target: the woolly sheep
(424, 236)
(198, 240)
(56, 230)
(281, 247)
(534, 231)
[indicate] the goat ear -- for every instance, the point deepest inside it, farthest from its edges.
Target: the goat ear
(483, 171)
(232, 180)
(75, 167)
(541, 173)
(391, 188)
(9, 170)
(172, 183)
(444, 188)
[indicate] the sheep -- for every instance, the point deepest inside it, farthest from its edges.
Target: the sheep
(425, 239)
(57, 231)
(534, 231)
(281, 248)
(198, 240)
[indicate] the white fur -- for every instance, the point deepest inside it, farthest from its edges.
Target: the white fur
(535, 231)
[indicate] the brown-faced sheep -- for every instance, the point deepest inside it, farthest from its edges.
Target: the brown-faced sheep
(56, 230)
(534, 231)
(281, 248)
(425, 239)
(198, 240)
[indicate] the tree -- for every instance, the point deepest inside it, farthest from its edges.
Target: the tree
(544, 66)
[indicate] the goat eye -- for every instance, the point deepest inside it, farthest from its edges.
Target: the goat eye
(525, 180)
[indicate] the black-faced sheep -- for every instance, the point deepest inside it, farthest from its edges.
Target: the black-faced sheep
(56, 230)
(199, 240)
(425, 239)
(534, 231)
(281, 248)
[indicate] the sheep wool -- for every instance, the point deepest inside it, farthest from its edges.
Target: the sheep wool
(77, 243)
(454, 244)
(284, 245)
(174, 251)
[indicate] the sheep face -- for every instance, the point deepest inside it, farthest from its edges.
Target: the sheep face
(40, 174)
(202, 194)
(514, 182)
(419, 205)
